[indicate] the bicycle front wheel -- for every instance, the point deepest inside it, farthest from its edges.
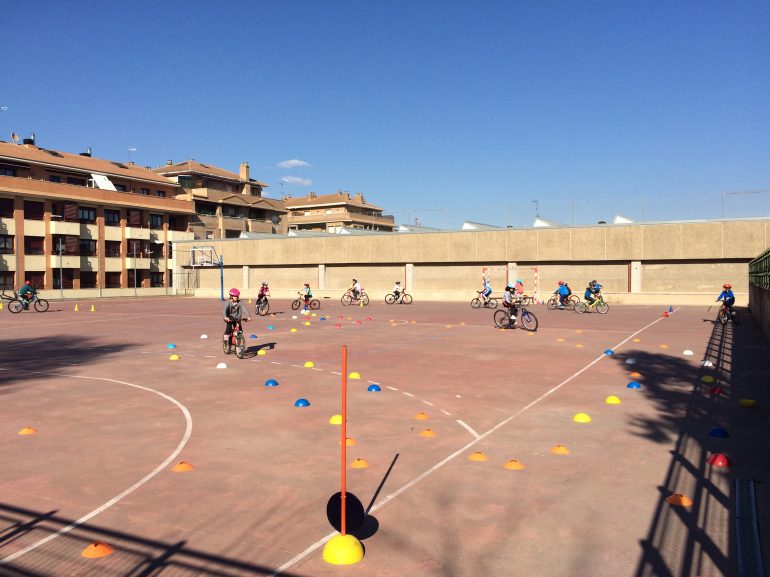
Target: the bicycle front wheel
(346, 300)
(315, 304)
(295, 304)
(493, 303)
(552, 303)
(15, 306)
(475, 303)
(41, 305)
(365, 299)
(240, 345)
(406, 299)
(528, 320)
(501, 319)
(602, 308)
(263, 308)
(389, 299)
(581, 308)
(722, 316)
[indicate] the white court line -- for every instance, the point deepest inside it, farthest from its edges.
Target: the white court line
(408, 394)
(391, 388)
(132, 488)
(335, 373)
(297, 558)
(446, 412)
(428, 403)
(468, 428)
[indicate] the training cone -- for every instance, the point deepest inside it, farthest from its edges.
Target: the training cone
(309, 364)
(261, 352)
(354, 375)
(76, 308)
(718, 460)
(582, 418)
(182, 467)
(612, 400)
(718, 432)
(478, 456)
(679, 499)
(374, 388)
(92, 308)
(221, 365)
(670, 309)
(427, 433)
(559, 450)
(513, 465)
(665, 314)
(343, 550)
(28, 431)
(359, 463)
(96, 550)
(271, 383)
(335, 420)
(301, 403)
(421, 416)
(173, 358)
(747, 403)
(633, 385)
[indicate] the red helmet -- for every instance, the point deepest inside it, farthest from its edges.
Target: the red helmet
(561, 282)
(29, 283)
(234, 292)
(727, 286)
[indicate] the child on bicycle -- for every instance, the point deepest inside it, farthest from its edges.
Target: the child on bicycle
(510, 299)
(264, 292)
(563, 291)
(355, 288)
(27, 293)
(726, 296)
(233, 313)
(306, 294)
(486, 290)
(397, 290)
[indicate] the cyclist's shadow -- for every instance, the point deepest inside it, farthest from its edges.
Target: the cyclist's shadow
(252, 351)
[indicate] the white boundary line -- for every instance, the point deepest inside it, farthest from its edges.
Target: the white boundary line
(467, 428)
(297, 558)
(132, 488)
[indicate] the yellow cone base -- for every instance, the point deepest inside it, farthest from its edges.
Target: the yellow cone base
(335, 420)
(478, 456)
(679, 499)
(421, 416)
(582, 418)
(559, 450)
(28, 431)
(261, 352)
(96, 550)
(747, 403)
(428, 433)
(513, 465)
(173, 358)
(359, 464)
(343, 550)
(182, 467)
(354, 375)
(309, 364)
(612, 400)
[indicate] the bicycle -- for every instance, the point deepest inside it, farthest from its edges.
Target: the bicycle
(348, 298)
(725, 314)
(17, 303)
(599, 305)
(404, 299)
(236, 341)
(572, 301)
(527, 319)
(477, 302)
(262, 307)
(314, 304)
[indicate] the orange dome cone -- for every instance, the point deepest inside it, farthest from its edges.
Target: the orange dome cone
(478, 456)
(513, 465)
(679, 499)
(559, 450)
(96, 550)
(28, 431)
(427, 433)
(359, 464)
(182, 467)
(421, 416)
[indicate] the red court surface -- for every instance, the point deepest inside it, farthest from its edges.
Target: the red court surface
(114, 414)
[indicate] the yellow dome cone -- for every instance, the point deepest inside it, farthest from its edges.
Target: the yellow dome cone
(96, 550)
(559, 450)
(612, 400)
(478, 456)
(1, 305)
(343, 550)
(309, 364)
(335, 420)
(354, 375)
(182, 467)
(261, 352)
(28, 431)
(428, 433)
(582, 418)
(76, 308)
(513, 465)
(359, 464)
(173, 358)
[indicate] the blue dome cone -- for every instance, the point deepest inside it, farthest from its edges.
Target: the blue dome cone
(633, 385)
(718, 432)
(609, 352)
(253, 337)
(302, 403)
(270, 327)
(374, 388)
(171, 346)
(271, 383)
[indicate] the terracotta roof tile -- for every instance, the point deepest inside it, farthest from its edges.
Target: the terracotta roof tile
(336, 198)
(195, 167)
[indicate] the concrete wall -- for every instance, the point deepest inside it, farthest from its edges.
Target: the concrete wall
(680, 263)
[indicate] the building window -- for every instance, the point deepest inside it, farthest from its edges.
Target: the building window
(112, 280)
(87, 279)
(76, 181)
(7, 171)
(67, 245)
(6, 244)
(6, 280)
(206, 208)
(33, 245)
(156, 221)
(156, 251)
(209, 234)
(87, 247)
(33, 210)
(156, 279)
(6, 208)
(231, 211)
(121, 187)
(112, 217)
(112, 248)
(144, 191)
(86, 214)
(160, 193)
(232, 233)
(54, 178)
(69, 274)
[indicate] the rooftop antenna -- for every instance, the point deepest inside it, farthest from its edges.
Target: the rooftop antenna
(130, 150)
(15, 137)
(537, 208)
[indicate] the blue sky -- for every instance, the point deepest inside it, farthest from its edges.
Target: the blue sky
(441, 111)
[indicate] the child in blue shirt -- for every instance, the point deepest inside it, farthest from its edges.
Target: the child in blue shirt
(563, 292)
(727, 296)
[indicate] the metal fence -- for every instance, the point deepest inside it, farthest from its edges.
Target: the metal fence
(759, 271)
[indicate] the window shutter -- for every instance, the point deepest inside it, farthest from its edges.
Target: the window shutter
(71, 244)
(70, 212)
(134, 218)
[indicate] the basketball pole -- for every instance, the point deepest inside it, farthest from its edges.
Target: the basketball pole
(344, 435)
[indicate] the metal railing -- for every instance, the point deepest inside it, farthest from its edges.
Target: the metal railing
(759, 271)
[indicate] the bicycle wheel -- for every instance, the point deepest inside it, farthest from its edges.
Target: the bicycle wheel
(346, 299)
(263, 308)
(735, 318)
(528, 320)
(581, 308)
(226, 346)
(365, 298)
(295, 304)
(722, 316)
(475, 303)
(493, 303)
(527, 300)
(570, 306)
(406, 299)
(574, 298)
(240, 345)
(552, 303)
(41, 305)
(315, 304)
(602, 308)
(15, 306)
(502, 319)
(389, 299)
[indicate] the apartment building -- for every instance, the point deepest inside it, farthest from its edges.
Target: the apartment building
(332, 212)
(76, 222)
(226, 203)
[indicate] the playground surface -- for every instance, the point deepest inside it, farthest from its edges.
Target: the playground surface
(478, 464)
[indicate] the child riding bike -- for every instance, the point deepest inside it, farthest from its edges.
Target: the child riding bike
(564, 292)
(397, 290)
(510, 300)
(306, 294)
(264, 292)
(486, 291)
(233, 313)
(726, 296)
(355, 288)
(27, 293)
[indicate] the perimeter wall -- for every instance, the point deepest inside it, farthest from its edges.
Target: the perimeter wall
(666, 263)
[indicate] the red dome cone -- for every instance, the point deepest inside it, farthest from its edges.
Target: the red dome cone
(718, 460)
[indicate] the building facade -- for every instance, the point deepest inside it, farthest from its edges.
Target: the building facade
(226, 203)
(332, 212)
(72, 221)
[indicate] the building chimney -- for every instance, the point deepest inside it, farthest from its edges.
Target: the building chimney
(169, 162)
(28, 142)
(86, 153)
(244, 173)
(312, 195)
(359, 197)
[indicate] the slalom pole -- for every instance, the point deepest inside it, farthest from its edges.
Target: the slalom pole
(344, 429)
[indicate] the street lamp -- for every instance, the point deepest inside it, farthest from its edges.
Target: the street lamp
(165, 282)
(133, 252)
(60, 249)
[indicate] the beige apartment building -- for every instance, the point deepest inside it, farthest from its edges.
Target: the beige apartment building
(226, 204)
(333, 212)
(75, 222)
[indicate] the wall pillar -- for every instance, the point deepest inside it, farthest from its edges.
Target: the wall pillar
(409, 276)
(513, 272)
(635, 286)
(321, 277)
(246, 277)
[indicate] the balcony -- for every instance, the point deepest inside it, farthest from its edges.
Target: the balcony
(113, 233)
(37, 262)
(67, 261)
(37, 227)
(64, 228)
(137, 233)
(137, 263)
(113, 264)
(344, 218)
(174, 235)
(7, 226)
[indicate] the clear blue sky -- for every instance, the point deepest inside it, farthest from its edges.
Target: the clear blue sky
(470, 109)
